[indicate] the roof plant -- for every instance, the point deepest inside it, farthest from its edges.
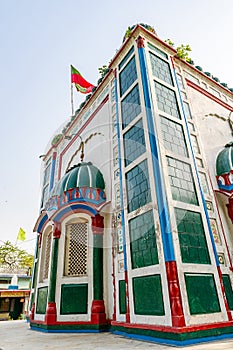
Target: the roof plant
(56, 139)
(130, 29)
(183, 52)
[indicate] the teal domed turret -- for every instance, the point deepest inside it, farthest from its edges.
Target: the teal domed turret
(224, 168)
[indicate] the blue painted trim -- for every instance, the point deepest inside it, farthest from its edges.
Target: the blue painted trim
(38, 329)
(166, 231)
(33, 283)
(173, 342)
(71, 208)
(120, 176)
(224, 187)
(52, 174)
(196, 170)
(42, 222)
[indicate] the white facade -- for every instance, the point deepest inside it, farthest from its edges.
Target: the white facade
(154, 128)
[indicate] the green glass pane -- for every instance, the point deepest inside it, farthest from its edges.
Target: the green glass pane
(143, 245)
(138, 186)
(173, 137)
(161, 69)
(42, 295)
(192, 238)
(181, 181)
(126, 57)
(130, 106)
(166, 100)
(127, 76)
(134, 142)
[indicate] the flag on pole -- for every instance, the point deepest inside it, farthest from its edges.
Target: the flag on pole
(21, 235)
(80, 83)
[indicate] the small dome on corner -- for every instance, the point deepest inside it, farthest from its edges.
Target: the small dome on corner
(224, 161)
(84, 174)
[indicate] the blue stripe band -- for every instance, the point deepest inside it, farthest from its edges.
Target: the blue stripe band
(198, 178)
(169, 254)
(52, 174)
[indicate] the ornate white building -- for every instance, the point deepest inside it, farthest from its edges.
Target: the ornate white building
(135, 229)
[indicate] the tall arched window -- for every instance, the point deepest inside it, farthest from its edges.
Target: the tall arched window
(46, 252)
(76, 248)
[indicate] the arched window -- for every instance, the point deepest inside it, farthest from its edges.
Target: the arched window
(46, 252)
(76, 248)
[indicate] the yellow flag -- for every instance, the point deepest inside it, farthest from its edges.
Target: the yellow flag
(21, 235)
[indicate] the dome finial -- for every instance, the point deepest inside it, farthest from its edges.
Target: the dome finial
(81, 148)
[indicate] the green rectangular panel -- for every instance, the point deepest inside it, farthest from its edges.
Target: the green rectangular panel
(148, 295)
(181, 181)
(228, 290)
(134, 142)
(157, 50)
(143, 245)
(138, 186)
(167, 100)
(74, 299)
(130, 106)
(127, 56)
(128, 76)
(42, 297)
(122, 297)
(161, 69)
(202, 294)
(193, 245)
(173, 138)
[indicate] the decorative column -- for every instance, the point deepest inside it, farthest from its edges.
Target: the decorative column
(118, 122)
(177, 313)
(53, 170)
(51, 312)
(98, 315)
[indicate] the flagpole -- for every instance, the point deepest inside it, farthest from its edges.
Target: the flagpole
(72, 100)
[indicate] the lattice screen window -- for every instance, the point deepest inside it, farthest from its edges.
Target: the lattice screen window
(47, 250)
(76, 249)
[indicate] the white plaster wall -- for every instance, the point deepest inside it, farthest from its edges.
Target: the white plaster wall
(214, 133)
(97, 149)
(214, 130)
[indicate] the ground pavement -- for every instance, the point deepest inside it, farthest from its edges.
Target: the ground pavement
(17, 335)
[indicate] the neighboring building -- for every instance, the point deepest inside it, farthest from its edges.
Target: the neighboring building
(137, 236)
(14, 293)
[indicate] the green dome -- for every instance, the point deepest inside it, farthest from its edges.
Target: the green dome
(224, 162)
(81, 175)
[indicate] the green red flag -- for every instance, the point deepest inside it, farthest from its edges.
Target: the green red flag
(81, 84)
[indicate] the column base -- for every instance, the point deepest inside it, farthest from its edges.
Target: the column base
(98, 315)
(32, 314)
(51, 313)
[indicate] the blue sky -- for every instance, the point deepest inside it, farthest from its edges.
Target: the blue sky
(39, 41)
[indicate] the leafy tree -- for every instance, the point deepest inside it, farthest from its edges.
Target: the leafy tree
(14, 257)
